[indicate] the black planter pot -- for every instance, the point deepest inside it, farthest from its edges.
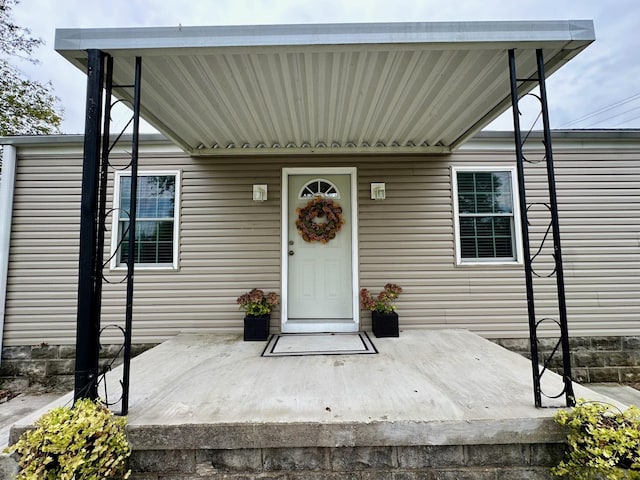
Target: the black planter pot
(385, 324)
(256, 328)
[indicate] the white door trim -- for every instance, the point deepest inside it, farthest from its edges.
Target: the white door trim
(284, 196)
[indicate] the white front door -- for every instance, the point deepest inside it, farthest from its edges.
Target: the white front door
(319, 276)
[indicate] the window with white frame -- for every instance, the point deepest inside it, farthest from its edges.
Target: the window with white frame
(156, 236)
(487, 223)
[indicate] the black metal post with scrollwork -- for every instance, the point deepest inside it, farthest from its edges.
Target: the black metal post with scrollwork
(98, 145)
(561, 347)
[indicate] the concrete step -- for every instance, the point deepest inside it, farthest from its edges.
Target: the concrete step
(478, 462)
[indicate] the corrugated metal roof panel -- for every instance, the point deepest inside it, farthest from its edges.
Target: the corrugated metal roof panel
(360, 87)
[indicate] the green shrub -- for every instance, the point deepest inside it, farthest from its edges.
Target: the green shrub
(602, 442)
(83, 442)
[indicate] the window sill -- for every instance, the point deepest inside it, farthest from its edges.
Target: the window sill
(138, 267)
(498, 263)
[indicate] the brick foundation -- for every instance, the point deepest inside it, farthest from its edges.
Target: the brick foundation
(49, 367)
(593, 359)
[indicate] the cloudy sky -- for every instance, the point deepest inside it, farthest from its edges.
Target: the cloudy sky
(598, 89)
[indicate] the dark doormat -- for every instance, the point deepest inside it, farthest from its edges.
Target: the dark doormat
(301, 344)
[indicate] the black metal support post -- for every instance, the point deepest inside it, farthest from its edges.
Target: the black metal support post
(132, 236)
(102, 195)
(552, 208)
(524, 221)
(88, 326)
(95, 175)
(557, 250)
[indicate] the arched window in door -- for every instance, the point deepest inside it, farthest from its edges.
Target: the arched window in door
(319, 187)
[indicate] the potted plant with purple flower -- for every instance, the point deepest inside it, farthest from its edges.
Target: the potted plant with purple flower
(384, 319)
(257, 307)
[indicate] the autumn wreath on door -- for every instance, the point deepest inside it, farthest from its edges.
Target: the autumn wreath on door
(320, 220)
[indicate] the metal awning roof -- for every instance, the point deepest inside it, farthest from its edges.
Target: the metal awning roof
(362, 88)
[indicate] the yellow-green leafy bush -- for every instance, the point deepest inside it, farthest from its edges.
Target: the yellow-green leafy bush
(85, 442)
(603, 442)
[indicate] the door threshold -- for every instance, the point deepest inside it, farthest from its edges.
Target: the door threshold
(319, 325)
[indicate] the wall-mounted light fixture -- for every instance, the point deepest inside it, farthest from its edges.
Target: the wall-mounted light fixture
(259, 193)
(378, 191)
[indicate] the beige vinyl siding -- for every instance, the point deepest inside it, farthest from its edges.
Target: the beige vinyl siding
(229, 244)
(601, 240)
(408, 239)
(43, 257)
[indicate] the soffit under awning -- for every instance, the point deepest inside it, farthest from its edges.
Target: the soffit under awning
(361, 88)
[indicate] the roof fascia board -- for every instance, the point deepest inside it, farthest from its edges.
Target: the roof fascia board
(563, 140)
(579, 136)
(55, 145)
(118, 41)
(578, 133)
(73, 139)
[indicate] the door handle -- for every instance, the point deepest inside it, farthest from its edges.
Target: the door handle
(290, 253)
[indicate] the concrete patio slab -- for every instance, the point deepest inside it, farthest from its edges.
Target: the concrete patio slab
(440, 387)
(622, 393)
(19, 407)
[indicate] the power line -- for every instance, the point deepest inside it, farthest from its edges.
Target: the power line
(607, 108)
(617, 115)
(627, 120)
